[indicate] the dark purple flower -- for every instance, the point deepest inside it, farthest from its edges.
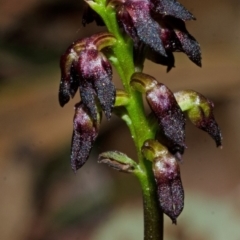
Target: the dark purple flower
(163, 104)
(170, 117)
(166, 172)
(135, 18)
(170, 190)
(159, 24)
(85, 131)
(83, 66)
(96, 80)
(176, 38)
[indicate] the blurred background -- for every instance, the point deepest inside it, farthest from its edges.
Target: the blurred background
(42, 199)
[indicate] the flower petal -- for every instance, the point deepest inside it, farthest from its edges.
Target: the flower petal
(88, 97)
(175, 37)
(95, 72)
(105, 88)
(172, 8)
(190, 46)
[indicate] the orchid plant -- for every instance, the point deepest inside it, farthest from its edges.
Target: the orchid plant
(137, 30)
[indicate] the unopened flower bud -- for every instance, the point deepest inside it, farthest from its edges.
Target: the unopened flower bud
(85, 131)
(122, 98)
(200, 111)
(152, 149)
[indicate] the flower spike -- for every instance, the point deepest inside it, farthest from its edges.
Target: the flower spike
(85, 131)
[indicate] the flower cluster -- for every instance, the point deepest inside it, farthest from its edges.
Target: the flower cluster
(157, 29)
(85, 67)
(168, 109)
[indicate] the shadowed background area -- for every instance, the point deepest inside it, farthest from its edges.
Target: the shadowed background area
(42, 199)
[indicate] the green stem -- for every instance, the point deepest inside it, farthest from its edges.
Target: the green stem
(137, 122)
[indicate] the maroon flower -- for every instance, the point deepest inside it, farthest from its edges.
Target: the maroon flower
(175, 38)
(163, 104)
(95, 73)
(85, 131)
(170, 190)
(159, 24)
(170, 117)
(83, 66)
(135, 18)
(166, 172)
